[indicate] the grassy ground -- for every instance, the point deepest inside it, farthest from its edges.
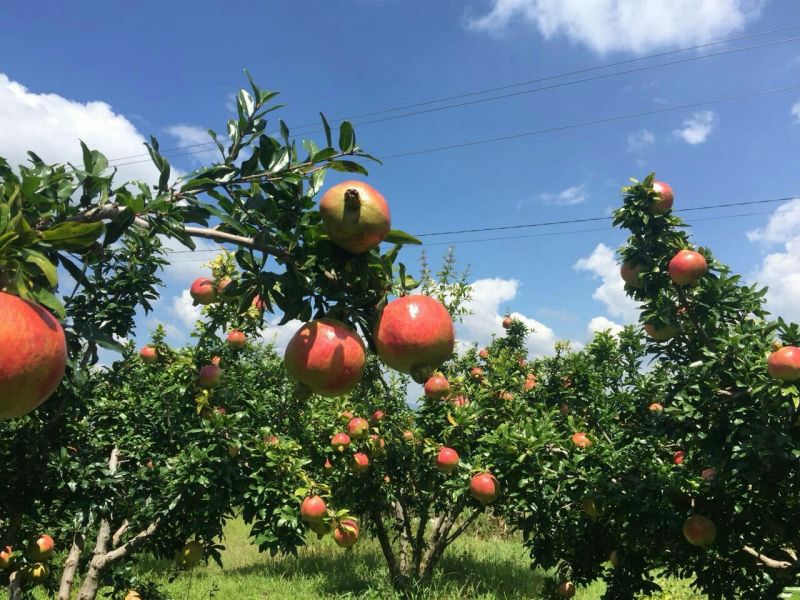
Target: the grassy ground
(473, 569)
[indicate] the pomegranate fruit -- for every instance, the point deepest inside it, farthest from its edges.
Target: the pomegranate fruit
(33, 355)
(437, 387)
(360, 462)
(687, 267)
(630, 275)
(313, 509)
(784, 364)
(566, 589)
(678, 456)
(415, 335)
(355, 216)
(236, 339)
(210, 376)
(357, 428)
(484, 488)
(203, 291)
(340, 441)
(659, 333)
(327, 356)
(699, 530)
(664, 199)
(346, 533)
(5, 557)
(148, 354)
(447, 460)
(42, 548)
(580, 440)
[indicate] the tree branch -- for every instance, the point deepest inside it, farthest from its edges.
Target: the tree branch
(767, 561)
(119, 533)
(131, 544)
(71, 567)
(464, 525)
(386, 547)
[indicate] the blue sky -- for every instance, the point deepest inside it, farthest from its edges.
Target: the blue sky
(111, 73)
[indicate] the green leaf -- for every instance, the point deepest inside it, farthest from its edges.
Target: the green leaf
(72, 235)
(327, 130)
(48, 299)
(44, 265)
(401, 237)
(347, 137)
(246, 102)
(348, 166)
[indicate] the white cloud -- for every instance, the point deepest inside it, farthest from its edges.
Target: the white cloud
(52, 127)
(602, 264)
(598, 324)
(783, 225)
(185, 311)
(279, 335)
(488, 296)
(185, 266)
(623, 25)
(795, 111)
(572, 195)
(780, 271)
(641, 140)
(188, 135)
(697, 127)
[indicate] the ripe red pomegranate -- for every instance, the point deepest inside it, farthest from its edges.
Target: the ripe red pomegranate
(630, 275)
(709, 473)
(340, 441)
(357, 428)
(678, 456)
(216, 361)
(484, 488)
(210, 376)
(203, 291)
(33, 355)
(360, 462)
(42, 548)
(415, 335)
(258, 304)
(148, 354)
(660, 333)
(687, 267)
(272, 440)
(313, 509)
(327, 356)
(580, 440)
(784, 364)
(377, 417)
(355, 216)
(484, 353)
(699, 530)
(506, 396)
(566, 589)
(507, 321)
(408, 436)
(346, 415)
(346, 533)
(447, 460)
(530, 382)
(236, 339)
(655, 407)
(476, 373)
(460, 401)
(663, 203)
(437, 387)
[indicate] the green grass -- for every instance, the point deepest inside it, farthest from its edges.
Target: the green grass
(472, 569)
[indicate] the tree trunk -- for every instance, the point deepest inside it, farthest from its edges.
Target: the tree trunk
(71, 567)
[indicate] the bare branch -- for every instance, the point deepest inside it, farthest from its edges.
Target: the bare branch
(119, 533)
(71, 567)
(132, 543)
(464, 525)
(767, 561)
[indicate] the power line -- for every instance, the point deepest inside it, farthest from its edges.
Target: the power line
(523, 83)
(562, 222)
(590, 123)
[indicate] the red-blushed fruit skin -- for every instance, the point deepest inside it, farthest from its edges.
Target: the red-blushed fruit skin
(660, 334)
(784, 364)
(340, 441)
(33, 356)
(328, 464)
(507, 322)
(655, 407)
(203, 291)
(437, 387)
(630, 275)
(327, 356)
(236, 339)
(355, 216)
(357, 428)
(665, 200)
(699, 530)
(484, 353)
(484, 488)
(223, 283)
(566, 589)
(360, 462)
(313, 509)
(5, 557)
(414, 332)
(476, 373)
(580, 440)
(408, 436)
(709, 473)
(42, 548)
(687, 267)
(343, 537)
(530, 382)
(210, 376)
(678, 457)
(447, 460)
(377, 417)
(460, 401)
(148, 354)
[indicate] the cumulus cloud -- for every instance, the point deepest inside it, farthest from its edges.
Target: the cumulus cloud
(602, 264)
(780, 270)
(279, 335)
(52, 127)
(576, 194)
(697, 127)
(598, 324)
(622, 25)
(186, 266)
(185, 311)
(487, 307)
(795, 111)
(641, 140)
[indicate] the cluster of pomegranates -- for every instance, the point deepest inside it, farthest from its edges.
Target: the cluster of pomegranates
(40, 551)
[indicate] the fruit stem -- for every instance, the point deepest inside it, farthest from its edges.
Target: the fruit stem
(352, 199)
